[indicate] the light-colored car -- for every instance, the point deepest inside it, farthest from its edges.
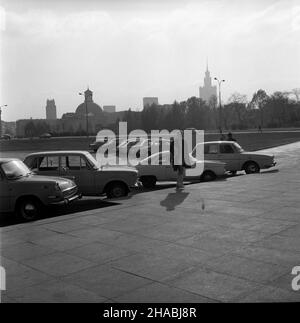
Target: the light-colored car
(235, 158)
(45, 135)
(81, 166)
(124, 147)
(149, 174)
(26, 193)
(6, 136)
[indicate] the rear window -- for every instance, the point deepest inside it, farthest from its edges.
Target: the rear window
(226, 149)
(210, 149)
(73, 162)
(47, 163)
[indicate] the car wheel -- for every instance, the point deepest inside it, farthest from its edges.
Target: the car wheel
(29, 209)
(208, 176)
(251, 168)
(116, 190)
(148, 181)
(233, 172)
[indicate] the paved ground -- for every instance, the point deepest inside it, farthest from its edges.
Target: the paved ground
(230, 240)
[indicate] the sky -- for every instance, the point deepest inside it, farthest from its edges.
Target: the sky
(127, 50)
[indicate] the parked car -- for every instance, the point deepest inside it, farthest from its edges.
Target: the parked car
(235, 158)
(26, 193)
(149, 174)
(45, 135)
(125, 146)
(6, 136)
(143, 146)
(83, 168)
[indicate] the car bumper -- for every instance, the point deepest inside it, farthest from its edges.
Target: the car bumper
(270, 165)
(67, 200)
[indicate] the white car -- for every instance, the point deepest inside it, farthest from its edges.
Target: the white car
(150, 174)
(143, 144)
(235, 157)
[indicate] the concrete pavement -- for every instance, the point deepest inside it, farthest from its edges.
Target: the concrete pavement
(235, 239)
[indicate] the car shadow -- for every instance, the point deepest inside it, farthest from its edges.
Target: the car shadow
(174, 199)
(85, 204)
(271, 171)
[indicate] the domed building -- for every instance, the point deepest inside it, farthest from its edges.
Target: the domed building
(88, 107)
(88, 119)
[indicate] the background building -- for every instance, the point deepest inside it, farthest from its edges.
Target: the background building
(109, 108)
(89, 106)
(71, 123)
(207, 91)
(148, 101)
(51, 110)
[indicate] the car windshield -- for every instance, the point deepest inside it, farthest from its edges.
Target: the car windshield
(238, 147)
(15, 169)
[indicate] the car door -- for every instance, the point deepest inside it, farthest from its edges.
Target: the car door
(77, 168)
(5, 194)
(229, 156)
(154, 167)
(211, 151)
(169, 172)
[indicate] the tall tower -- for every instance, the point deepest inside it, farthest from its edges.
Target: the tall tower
(51, 110)
(207, 91)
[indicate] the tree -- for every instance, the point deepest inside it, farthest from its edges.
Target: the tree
(175, 116)
(296, 92)
(30, 130)
(259, 100)
(278, 109)
(42, 127)
(235, 111)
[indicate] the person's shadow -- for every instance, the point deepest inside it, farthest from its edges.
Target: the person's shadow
(173, 199)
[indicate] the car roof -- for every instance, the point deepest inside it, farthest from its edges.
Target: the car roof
(5, 160)
(59, 152)
(219, 142)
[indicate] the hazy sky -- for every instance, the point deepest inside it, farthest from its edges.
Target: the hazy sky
(125, 50)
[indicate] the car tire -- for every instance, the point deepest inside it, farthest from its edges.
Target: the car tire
(29, 208)
(116, 190)
(148, 181)
(251, 167)
(208, 176)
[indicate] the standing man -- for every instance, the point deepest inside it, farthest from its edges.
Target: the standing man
(229, 137)
(178, 162)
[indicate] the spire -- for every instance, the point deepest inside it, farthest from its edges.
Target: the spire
(88, 94)
(206, 64)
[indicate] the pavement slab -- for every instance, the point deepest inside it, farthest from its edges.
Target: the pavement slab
(231, 240)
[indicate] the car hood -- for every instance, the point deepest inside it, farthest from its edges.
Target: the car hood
(63, 182)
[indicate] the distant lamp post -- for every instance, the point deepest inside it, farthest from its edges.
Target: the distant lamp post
(2, 106)
(220, 103)
(86, 115)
